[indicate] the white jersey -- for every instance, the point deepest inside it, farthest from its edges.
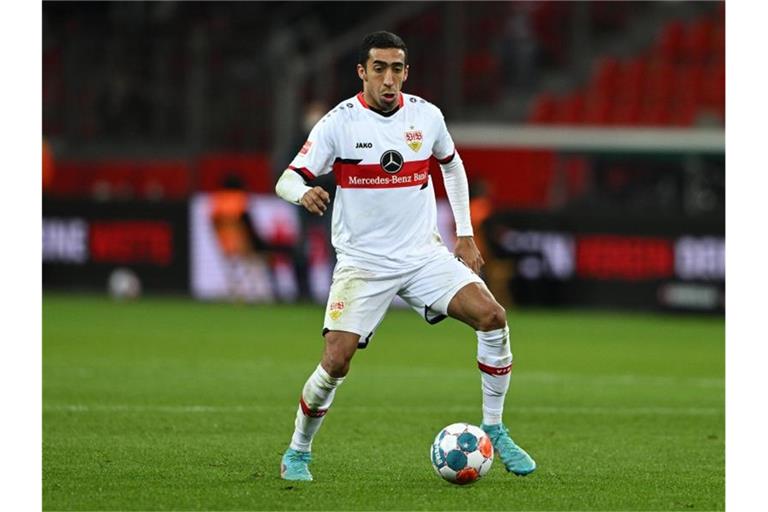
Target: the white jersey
(384, 213)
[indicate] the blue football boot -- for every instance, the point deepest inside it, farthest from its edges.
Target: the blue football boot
(515, 459)
(295, 465)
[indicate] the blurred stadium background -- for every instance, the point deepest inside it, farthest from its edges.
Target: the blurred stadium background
(593, 135)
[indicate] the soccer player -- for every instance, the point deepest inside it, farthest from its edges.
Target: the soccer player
(384, 229)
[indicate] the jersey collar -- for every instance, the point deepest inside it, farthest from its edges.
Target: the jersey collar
(361, 99)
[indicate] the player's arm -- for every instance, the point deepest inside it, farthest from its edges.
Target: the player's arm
(457, 190)
(294, 189)
(317, 154)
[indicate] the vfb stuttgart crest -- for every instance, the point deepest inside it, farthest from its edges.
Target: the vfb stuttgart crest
(336, 309)
(413, 138)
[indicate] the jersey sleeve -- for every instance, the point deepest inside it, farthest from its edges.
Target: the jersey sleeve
(444, 148)
(316, 156)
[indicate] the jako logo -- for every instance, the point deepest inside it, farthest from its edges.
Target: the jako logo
(367, 145)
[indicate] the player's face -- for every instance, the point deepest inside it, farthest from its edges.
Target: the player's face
(383, 77)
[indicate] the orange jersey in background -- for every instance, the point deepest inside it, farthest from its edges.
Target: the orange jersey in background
(227, 209)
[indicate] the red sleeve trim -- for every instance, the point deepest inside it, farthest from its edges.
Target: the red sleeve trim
(303, 172)
(447, 159)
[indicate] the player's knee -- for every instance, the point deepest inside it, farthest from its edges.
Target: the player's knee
(336, 363)
(337, 355)
(493, 317)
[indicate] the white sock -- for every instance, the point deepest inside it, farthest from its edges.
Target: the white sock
(316, 398)
(494, 358)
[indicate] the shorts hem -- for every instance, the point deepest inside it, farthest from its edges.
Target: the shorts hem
(360, 332)
(440, 306)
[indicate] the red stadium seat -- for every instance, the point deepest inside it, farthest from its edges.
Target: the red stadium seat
(718, 43)
(668, 85)
(670, 41)
(683, 112)
(597, 110)
(660, 81)
(658, 113)
(605, 75)
(543, 109)
(714, 86)
(625, 113)
(689, 82)
(698, 40)
(631, 82)
(570, 109)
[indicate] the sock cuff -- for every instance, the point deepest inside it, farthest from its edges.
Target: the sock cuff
(495, 337)
(494, 355)
(326, 377)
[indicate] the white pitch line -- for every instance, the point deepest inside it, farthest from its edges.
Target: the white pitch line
(585, 410)
(631, 380)
(626, 379)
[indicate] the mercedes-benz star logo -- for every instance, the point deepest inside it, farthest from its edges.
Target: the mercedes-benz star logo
(391, 161)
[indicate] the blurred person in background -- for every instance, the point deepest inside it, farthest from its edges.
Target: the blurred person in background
(497, 272)
(518, 47)
(308, 248)
(245, 267)
(378, 144)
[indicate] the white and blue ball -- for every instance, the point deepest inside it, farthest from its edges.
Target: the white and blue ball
(462, 453)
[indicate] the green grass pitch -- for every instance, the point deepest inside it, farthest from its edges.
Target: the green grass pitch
(171, 404)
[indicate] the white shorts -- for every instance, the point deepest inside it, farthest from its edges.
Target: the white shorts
(358, 298)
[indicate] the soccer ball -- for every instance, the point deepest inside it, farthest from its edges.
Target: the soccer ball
(124, 284)
(462, 453)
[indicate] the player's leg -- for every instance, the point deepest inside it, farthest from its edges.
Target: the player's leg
(475, 305)
(447, 287)
(320, 389)
(356, 304)
(316, 398)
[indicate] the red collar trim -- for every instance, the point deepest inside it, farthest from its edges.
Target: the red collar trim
(361, 99)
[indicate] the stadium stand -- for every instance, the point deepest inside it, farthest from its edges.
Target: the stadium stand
(157, 100)
(678, 81)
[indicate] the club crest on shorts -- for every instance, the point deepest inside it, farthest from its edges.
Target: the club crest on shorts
(336, 309)
(414, 138)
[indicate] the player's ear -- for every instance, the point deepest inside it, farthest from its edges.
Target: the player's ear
(405, 73)
(361, 72)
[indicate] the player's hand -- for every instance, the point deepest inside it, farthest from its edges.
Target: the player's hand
(467, 251)
(316, 200)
